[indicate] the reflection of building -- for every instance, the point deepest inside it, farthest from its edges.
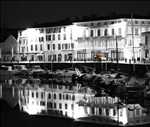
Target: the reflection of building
(8, 49)
(145, 44)
(83, 40)
(72, 102)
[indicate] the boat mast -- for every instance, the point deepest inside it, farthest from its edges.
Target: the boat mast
(117, 61)
(132, 30)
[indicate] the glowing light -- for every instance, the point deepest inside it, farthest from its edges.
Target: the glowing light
(31, 33)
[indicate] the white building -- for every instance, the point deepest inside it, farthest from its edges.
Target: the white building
(82, 41)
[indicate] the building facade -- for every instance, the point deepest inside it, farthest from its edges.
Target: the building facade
(116, 39)
(8, 49)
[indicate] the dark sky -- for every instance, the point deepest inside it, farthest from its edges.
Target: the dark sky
(23, 13)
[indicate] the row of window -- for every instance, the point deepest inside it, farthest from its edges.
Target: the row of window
(61, 96)
(64, 46)
(52, 30)
(36, 47)
(54, 57)
(53, 96)
(60, 105)
(105, 32)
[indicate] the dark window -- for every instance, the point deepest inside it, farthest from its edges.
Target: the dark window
(59, 57)
(105, 32)
(54, 96)
(42, 95)
(92, 33)
(49, 105)
(49, 96)
(35, 47)
(114, 112)
(41, 47)
(42, 103)
(98, 32)
(60, 96)
(54, 57)
(66, 46)
(58, 36)
(48, 37)
(60, 106)
(32, 94)
(73, 97)
(113, 32)
(55, 105)
(41, 39)
(66, 96)
(64, 36)
(37, 94)
(41, 30)
(107, 112)
(48, 46)
(53, 46)
(59, 46)
(146, 40)
(31, 47)
(66, 106)
(72, 45)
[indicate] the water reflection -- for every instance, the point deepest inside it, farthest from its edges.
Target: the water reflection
(37, 96)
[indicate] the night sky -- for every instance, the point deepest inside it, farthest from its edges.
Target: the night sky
(22, 13)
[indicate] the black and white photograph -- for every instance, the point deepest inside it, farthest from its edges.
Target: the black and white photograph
(75, 63)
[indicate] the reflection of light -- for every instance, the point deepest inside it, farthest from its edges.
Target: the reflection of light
(79, 112)
(30, 33)
(33, 109)
(122, 116)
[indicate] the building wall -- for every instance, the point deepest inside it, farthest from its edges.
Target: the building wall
(81, 41)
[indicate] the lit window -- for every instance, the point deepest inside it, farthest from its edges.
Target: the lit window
(136, 31)
(119, 31)
(53, 36)
(72, 106)
(64, 36)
